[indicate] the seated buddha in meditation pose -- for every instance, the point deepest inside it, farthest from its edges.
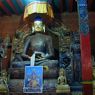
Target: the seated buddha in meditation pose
(39, 43)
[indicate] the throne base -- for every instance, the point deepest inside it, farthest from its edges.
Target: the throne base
(63, 89)
(16, 85)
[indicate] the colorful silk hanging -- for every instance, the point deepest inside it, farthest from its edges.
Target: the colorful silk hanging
(40, 8)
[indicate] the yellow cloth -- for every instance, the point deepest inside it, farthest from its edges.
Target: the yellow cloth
(44, 9)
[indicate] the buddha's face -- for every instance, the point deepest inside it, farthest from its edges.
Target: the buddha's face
(38, 26)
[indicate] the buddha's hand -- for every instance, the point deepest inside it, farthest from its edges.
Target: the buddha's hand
(39, 55)
(26, 56)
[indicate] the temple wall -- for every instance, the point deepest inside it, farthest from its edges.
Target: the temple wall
(8, 25)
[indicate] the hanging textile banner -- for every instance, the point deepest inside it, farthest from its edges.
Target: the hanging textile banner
(33, 81)
(83, 17)
(40, 8)
(26, 2)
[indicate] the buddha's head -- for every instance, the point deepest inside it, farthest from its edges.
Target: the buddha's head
(61, 72)
(38, 25)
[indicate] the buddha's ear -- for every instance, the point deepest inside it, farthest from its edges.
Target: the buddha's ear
(44, 28)
(33, 29)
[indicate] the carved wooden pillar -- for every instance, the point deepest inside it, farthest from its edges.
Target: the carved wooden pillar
(85, 47)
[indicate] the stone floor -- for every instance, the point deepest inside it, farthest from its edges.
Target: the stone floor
(12, 93)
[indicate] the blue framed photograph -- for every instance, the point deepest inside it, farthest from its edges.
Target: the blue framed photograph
(33, 80)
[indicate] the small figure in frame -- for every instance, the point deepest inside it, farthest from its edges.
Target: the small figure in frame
(33, 81)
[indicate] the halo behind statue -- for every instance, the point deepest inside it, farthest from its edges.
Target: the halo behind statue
(38, 8)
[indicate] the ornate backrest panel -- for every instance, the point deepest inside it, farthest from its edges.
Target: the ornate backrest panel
(18, 42)
(61, 40)
(64, 35)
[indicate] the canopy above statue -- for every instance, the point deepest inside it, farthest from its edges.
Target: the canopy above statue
(40, 8)
(26, 2)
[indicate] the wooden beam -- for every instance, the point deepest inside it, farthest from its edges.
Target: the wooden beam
(20, 4)
(5, 9)
(12, 6)
(0, 13)
(90, 3)
(70, 3)
(61, 6)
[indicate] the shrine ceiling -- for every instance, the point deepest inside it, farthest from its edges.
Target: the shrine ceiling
(9, 7)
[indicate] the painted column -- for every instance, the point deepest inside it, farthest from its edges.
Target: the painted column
(85, 47)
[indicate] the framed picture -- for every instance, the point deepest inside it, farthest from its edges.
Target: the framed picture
(33, 80)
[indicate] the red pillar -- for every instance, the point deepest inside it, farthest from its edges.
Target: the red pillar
(86, 57)
(85, 47)
(86, 63)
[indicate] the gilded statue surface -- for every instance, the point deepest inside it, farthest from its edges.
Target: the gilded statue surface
(38, 42)
(62, 77)
(62, 86)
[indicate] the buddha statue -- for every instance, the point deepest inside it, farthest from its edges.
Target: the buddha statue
(3, 82)
(62, 86)
(40, 44)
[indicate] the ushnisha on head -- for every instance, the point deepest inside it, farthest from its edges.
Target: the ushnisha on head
(38, 25)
